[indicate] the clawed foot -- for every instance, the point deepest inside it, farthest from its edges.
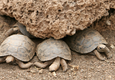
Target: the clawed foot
(54, 64)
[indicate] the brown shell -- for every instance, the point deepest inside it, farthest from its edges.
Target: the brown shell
(52, 48)
(19, 46)
(85, 41)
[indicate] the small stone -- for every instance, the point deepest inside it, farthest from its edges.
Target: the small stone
(54, 74)
(98, 67)
(112, 46)
(85, 77)
(41, 71)
(89, 75)
(69, 75)
(74, 67)
(109, 76)
(44, 78)
(49, 73)
(108, 22)
(32, 71)
(92, 68)
(74, 73)
(82, 70)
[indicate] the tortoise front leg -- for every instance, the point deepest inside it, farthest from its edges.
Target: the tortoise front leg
(11, 31)
(103, 48)
(2, 59)
(64, 65)
(55, 65)
(23, 65)
(9, 59)
(99, 55)
(43, 65)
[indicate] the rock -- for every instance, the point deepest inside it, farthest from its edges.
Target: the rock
(112, 46)
(55, 18)
(108, 22)
(40, 71)
(54, 74)
(74, 67)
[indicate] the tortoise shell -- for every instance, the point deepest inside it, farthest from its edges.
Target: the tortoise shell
(51, 48)
(85, 41)
(19, 46)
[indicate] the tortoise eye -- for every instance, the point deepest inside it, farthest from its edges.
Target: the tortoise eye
(100, 48)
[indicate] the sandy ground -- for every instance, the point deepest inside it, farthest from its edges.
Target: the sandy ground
(89, 67)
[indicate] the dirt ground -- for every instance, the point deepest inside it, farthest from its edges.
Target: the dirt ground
(89, 67)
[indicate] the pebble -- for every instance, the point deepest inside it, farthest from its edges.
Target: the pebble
(109, 76)
(40, 71)
(82, 70)
(85, 77)
(92, 68)
(32, 71)
(54, 74)
(89, 75)
(44, 78)
(112, 46)
(108, 22)
(74, 67)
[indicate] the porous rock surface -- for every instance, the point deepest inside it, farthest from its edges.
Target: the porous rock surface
(55, 18)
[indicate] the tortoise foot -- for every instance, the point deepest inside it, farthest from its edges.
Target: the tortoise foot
(42, 65)
(55, 65)
(99, 55)
(64, 65)
(23, 65)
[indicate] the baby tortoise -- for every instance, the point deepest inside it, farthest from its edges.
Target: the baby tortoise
(16, 28)
(50, 49)
(88, 40)
(17, 48)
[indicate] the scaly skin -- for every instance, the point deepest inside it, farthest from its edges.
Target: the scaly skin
(64, 65)
(55, 65)
(43, 65)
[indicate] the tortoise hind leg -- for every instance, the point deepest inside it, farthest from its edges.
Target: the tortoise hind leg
(2, 59)
(23, 65)
(99, 55)
(103, 48)
(43, 65)
(64, 65)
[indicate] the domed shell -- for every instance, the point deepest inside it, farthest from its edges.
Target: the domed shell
(50, 48)
(19, 46)
(85, 41)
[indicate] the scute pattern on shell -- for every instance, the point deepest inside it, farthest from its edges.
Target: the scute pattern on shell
(85, 41)
(51, 48)
(19, 46)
